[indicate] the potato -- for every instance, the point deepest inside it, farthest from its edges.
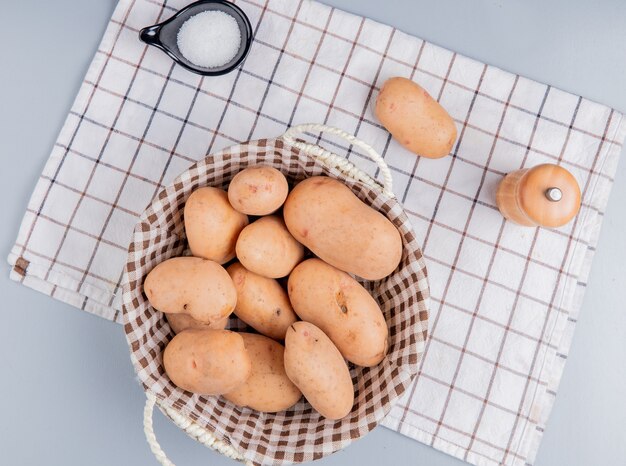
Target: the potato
(415, 119)
(341, 308)
(324, 214)
(207, 361)
(315, 365)
(180, 322)
(212, 225)
(268, 388)
(266, 248)
(190, 285)
(258, 190)
(261, 302)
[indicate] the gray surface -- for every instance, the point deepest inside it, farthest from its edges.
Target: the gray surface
(68, 391)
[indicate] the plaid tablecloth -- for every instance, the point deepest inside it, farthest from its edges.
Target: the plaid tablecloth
(505, 298)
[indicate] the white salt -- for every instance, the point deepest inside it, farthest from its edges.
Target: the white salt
(209, 39)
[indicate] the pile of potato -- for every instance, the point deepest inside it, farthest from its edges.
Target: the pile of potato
(339, 319)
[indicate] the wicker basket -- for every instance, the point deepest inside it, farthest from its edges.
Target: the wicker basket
(299, 434)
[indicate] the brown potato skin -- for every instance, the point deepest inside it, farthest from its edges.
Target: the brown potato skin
(266, 248)
(268, 389)
(212, 225)
(315, 365)
(258, 190)
(415, 119)
(189, 285)
(341, 308)
(207, 362)
(261, 302)
(180, 322)
(324, 214)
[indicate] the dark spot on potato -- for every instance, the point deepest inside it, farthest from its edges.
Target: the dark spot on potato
(292, 327)
(278, 311)
(341, 302)
(316, 340)
(385, 350)
(185, 306)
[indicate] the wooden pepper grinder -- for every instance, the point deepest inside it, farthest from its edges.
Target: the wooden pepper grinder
(546, 195)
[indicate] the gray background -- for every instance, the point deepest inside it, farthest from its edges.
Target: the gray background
(68, 393)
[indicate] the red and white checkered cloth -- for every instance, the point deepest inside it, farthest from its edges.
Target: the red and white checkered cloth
(505, 298)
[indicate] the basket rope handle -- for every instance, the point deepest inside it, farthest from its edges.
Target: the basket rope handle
(194, 430)
(340, 162)
(156, 449)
